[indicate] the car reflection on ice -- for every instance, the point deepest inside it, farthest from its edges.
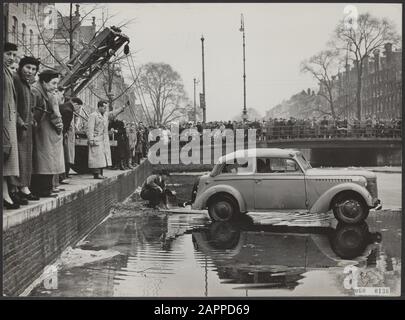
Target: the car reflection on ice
(268, 256)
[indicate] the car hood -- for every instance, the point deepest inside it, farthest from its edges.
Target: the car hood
(340, 172)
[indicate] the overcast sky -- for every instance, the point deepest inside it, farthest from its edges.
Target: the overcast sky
(278, 38)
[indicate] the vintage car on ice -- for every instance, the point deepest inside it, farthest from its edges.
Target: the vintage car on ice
(282, 179)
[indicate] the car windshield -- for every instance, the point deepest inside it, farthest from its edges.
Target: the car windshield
(303, 162)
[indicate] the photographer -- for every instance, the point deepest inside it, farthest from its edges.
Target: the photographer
(154, 188)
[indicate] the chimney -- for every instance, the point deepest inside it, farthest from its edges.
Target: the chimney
(388, 52)
(376, 53)
(94, 22)
(77, 13)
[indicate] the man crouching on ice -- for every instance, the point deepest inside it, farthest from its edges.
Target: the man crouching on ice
(154, 189)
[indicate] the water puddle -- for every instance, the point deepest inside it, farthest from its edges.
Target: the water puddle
(182, 255)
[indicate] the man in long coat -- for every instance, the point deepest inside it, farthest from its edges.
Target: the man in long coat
(27, 68)
(99, 142)
(10, 157)
(48, 159)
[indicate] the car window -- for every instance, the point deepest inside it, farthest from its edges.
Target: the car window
(276, 165)
(238, 167)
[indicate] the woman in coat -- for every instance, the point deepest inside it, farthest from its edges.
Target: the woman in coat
(48, 158)
(27, 68)
(99, 141)
(10, 160)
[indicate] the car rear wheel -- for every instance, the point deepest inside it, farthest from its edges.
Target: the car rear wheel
(350, 209)
(223, 208)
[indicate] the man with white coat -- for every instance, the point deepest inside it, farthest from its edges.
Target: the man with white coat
(99, 142)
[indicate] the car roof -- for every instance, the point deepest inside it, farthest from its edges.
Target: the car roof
(258, 153)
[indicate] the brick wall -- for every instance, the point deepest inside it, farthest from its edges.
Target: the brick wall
(30, 246)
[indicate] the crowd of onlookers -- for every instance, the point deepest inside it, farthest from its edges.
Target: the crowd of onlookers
(328, 127)
(293, 128)
(132, 143)
(38, 130)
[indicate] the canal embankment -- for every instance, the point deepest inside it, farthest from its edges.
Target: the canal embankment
(34, 236)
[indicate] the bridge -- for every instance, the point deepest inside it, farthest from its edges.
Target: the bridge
(344, 151)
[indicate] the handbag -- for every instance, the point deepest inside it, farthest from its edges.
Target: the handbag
(6, 144)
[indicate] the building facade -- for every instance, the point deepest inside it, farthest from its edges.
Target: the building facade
(25, 24)
(381, 86)
(381, 91)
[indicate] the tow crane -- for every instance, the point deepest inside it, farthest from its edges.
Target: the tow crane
(82, 68)
(87, 63)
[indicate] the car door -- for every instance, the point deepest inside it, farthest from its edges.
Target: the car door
(239, 176)
(279, 183)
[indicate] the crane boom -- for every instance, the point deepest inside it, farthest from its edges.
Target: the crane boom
(89, 61)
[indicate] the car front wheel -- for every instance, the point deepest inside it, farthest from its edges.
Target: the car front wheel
(350, 209)
(223, 208)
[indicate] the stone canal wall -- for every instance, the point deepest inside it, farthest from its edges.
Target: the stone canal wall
(35, 236)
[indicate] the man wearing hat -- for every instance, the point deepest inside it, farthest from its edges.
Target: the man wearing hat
(10, 144)
(27, 69)
(48, 159)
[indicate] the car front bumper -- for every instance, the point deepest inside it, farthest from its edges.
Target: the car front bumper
(377, 205)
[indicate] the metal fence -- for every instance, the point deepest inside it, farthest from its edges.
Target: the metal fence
(319, 132)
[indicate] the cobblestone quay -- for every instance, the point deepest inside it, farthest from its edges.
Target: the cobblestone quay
(35, 235)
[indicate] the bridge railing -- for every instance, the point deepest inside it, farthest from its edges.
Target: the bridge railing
(305, 132)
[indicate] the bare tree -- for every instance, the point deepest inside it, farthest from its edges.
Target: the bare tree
(321, 66)
(361, 37)
(165, 93)
(65, 30)
(112, 80)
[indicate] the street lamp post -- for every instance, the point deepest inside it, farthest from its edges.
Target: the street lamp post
(195, 106)
(203, 81)
(242, 29)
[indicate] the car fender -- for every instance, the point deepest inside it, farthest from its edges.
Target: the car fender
(323, 203)
(201, 199)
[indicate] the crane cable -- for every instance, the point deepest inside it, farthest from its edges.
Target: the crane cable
(141, 96)
(138, 89)
(131, 110)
